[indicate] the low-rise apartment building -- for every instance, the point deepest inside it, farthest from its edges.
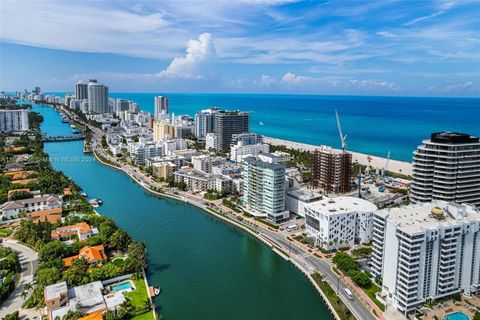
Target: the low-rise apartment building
(339, 222)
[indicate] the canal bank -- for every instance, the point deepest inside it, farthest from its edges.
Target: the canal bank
(206, 268)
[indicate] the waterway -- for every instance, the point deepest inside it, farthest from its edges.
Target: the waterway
(207, 269)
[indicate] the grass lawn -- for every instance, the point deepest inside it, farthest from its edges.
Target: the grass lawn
(138, 298)
(5, 233)
(145, 316)
(371, 291)
(119, 262)
(139, 295)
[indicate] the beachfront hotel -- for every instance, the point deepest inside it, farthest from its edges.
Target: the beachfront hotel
(264, 188)
(228, 123)
(426, 251)
(339, 222)
(332, 170)
(97, 97)
(447, 167)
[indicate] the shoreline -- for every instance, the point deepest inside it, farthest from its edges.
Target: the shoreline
(376, 162)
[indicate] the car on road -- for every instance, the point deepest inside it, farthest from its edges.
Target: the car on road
(348, 293)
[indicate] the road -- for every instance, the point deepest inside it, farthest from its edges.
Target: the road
(303, 258)
(29, 261)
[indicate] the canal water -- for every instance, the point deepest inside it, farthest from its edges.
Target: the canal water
(207, 269)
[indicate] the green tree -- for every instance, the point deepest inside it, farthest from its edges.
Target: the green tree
(51, 251)
(47, 276)
(11, 316)
(120, 240)
(74, 315)
(476, 316)
(362, 252)
(78, 273)
(345, 262)
(360, 278)
(106, 271)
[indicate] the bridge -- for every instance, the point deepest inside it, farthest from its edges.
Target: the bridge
(63, 138)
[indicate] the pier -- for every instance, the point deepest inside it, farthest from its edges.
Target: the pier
(63, 138)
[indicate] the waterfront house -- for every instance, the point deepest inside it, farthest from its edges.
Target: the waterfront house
(93, 254)
(81, 230)
(51, 215)
(11, 209)
(89, 298)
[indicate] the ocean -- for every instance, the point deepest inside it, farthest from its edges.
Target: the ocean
(373, 125)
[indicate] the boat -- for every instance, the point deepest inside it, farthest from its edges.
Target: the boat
(95, 203)
(65, 119)
(72, 126)
(157, 291)
(76, 131)
(261, 123)
(83, 194)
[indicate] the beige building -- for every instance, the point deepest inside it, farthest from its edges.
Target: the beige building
(163, 169)
(163, 130)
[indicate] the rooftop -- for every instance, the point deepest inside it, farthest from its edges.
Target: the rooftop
(305, 195)
(342, 205)
(432, 215)
(453, 137)
(53, 291)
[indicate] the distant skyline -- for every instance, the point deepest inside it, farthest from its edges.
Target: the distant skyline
(401, 48)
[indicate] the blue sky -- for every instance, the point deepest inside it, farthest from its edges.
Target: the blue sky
(425, 48)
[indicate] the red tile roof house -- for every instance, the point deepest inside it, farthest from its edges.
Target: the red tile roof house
(11, 209)
(94, 255)
(81, 230)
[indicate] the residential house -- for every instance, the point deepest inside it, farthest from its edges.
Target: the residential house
(82, 230)
(93, 254)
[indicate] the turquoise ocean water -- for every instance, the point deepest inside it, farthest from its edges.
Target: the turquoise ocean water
(373, 125)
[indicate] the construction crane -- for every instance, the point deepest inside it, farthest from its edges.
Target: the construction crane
(343, 138)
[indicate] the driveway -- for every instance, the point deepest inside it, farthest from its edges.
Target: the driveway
(29, 262)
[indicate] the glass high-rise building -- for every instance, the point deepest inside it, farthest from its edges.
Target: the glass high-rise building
(97, 97)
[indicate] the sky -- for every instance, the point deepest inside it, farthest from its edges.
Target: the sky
(401, 48)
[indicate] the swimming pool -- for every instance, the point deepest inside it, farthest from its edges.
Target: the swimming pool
(456, 316)
(121, 286)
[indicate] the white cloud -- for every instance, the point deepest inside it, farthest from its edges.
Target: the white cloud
(433, 15)
(462, 87)
(266, 81)
(199, 53)
(291, 78)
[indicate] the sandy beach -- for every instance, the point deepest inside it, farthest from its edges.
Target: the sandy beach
(362, 158)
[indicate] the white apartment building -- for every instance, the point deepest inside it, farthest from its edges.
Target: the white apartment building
(161, 107)
(141, 151)
(204, 123)
(170, 146)
(205, 163)
(339, 222)
(97, 97)
(264, 189)
(239, 151)
(447, 167)
(283, 157)
(200, 181)
(15, 120)
(426, 251)
(295, 200)
(211, 141)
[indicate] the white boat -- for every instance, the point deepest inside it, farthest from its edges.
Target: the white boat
(261, 123)
(157, 291)
(83, 194)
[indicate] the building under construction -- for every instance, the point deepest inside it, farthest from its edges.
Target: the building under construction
(332, 170)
